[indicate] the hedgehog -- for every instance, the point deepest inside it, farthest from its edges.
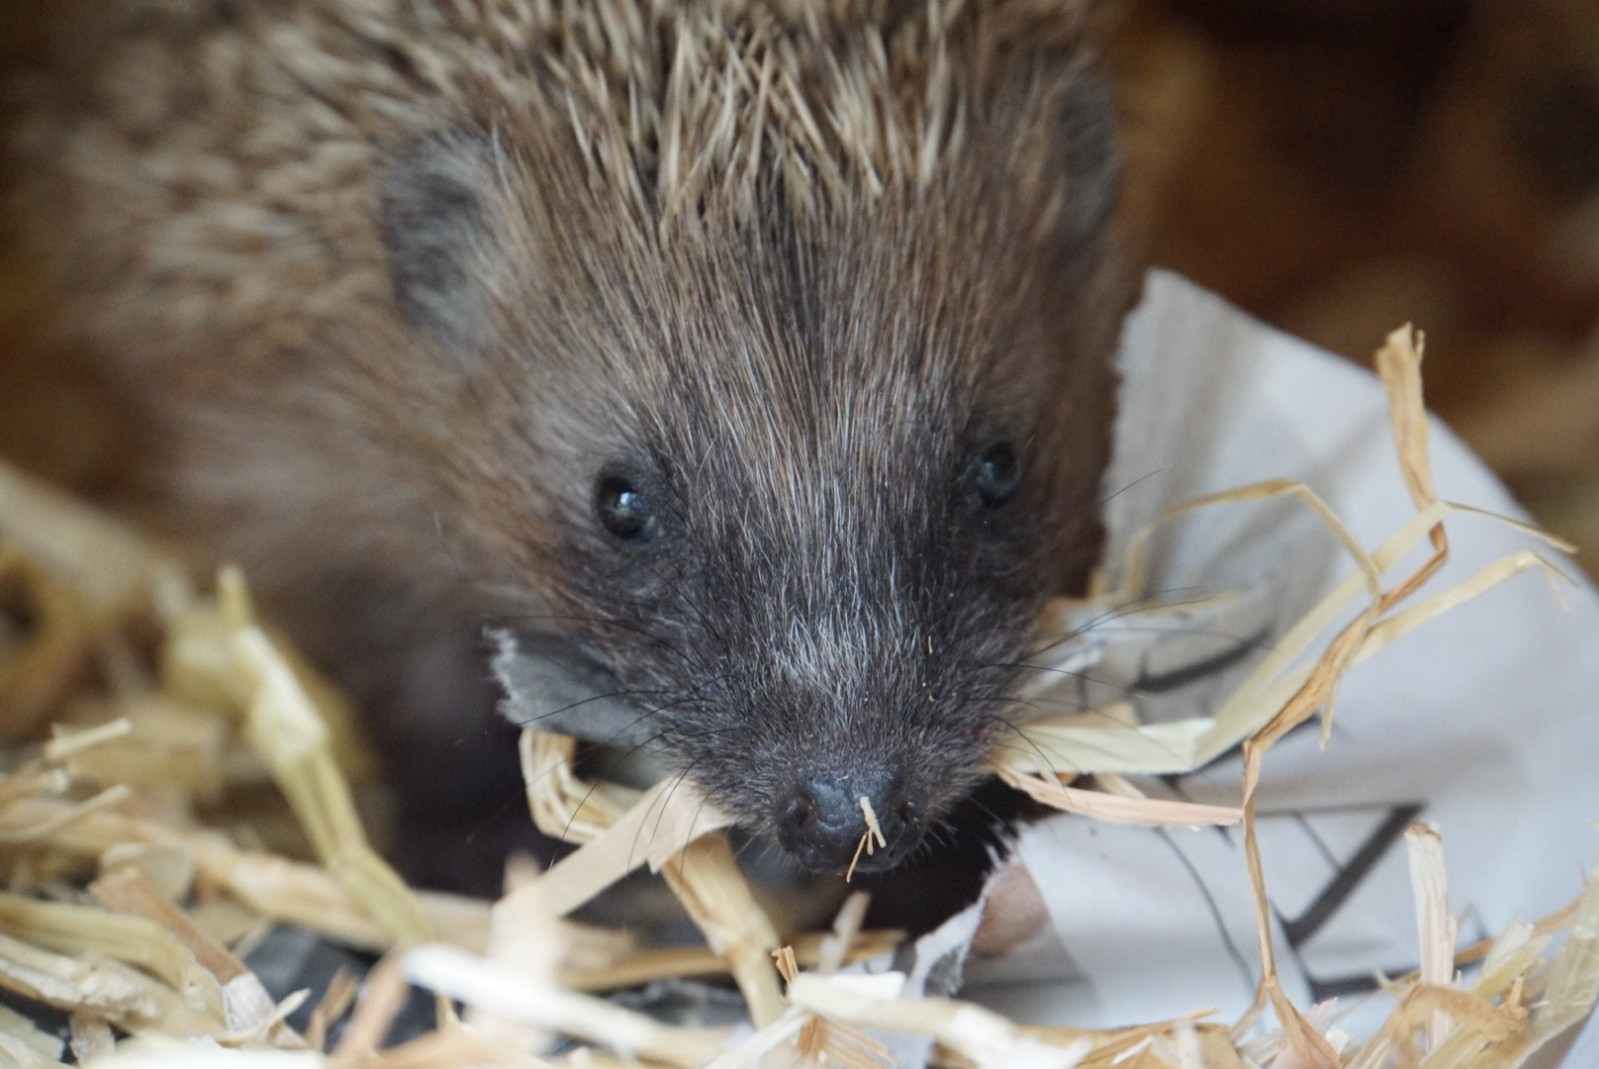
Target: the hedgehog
(758, 353)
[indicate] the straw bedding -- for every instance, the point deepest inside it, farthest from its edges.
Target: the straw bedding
(177, 783)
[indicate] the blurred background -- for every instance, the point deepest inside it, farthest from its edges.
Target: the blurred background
(1337, 167)
(1341, 167)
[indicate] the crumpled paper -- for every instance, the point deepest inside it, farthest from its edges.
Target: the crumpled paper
(1480, 723)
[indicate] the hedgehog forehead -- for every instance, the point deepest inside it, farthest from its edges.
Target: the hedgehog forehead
(676, 106)
(778, 426)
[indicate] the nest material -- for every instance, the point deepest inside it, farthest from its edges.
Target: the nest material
(138, 713)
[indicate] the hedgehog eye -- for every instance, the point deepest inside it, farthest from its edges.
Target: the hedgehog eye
(996, 476)
(624, 510)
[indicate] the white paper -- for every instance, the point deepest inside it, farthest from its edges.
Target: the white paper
(1481, 723)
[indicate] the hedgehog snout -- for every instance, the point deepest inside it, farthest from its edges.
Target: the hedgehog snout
(822, 821)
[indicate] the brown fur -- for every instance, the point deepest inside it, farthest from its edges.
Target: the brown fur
(395, 279)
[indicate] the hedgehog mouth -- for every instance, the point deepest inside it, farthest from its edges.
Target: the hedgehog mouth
(818, 819)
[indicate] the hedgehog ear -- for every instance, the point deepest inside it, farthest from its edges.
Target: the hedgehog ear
(1091, 160)
(437, 229)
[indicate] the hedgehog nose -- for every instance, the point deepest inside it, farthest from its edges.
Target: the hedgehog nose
(823, 822)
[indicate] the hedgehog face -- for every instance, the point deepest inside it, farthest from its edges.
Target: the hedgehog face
(806, 630)
(794, 433)
(814, 516)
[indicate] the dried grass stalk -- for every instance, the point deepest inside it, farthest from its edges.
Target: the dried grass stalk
(507, 993)
(246, 1005)
(91, 1037)
(986, 1039)
(78, 982)
(673, 829)
(1434, 922)
(706, 879)
(1019, 770)
(662, 821)
(287, 891)
(20, 1031)
(226, 650)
